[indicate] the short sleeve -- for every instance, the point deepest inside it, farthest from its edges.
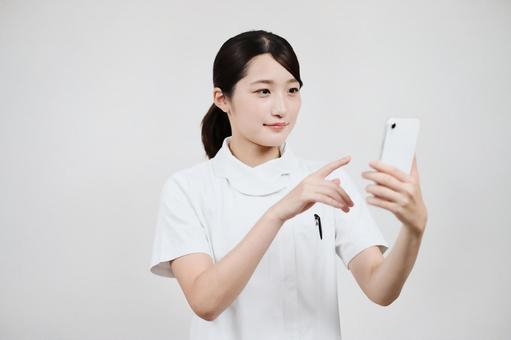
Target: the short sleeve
(355, 230)
(178, 229)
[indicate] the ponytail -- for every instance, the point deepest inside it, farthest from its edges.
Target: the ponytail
(215, 127)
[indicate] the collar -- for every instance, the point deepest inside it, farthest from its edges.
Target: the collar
(264, 179)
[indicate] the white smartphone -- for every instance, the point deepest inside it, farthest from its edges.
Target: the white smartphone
(399, 141)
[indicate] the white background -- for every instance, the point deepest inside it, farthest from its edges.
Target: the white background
(100, 101)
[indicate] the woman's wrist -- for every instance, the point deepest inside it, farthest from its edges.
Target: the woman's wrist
(273, 217)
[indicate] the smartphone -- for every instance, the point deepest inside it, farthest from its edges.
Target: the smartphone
(399, 141)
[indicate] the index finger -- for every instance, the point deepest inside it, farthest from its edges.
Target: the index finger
(328, 168)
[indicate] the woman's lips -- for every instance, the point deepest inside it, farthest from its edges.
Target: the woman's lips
(281, 124)
(276, 127)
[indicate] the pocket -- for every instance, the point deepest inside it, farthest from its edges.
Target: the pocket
(311, 251)
(306, 224)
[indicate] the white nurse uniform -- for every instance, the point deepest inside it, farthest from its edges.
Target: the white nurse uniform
(208, 208)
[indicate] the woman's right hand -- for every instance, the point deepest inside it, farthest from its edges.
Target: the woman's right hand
(314, 188)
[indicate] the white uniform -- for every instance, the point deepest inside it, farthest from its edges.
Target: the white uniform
(210, 207)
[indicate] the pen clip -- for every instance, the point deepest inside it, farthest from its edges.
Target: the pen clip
(318, 223)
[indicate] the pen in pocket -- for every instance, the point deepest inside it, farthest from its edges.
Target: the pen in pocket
(318, 223)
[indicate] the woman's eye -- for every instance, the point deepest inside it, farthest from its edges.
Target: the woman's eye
(266, 91)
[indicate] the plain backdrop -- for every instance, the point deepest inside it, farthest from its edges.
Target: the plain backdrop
(101, 101)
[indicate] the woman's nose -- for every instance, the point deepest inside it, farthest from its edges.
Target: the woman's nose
(279, 106)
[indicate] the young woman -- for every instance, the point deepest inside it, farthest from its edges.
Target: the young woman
(252, 234)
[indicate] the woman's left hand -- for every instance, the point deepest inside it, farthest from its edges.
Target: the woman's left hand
(399, 193)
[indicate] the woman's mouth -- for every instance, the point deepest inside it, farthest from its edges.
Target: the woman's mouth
(276, 126)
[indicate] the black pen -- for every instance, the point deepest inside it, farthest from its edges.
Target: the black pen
(318, 223)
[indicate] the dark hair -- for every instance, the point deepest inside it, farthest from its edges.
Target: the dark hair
(230, 66)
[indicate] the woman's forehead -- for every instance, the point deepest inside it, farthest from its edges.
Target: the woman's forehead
(266, 69)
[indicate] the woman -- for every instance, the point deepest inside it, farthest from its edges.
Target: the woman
(252, 234)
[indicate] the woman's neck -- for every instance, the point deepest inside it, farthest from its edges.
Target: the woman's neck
(252, 154)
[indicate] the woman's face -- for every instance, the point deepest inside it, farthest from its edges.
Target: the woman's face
(254, 104)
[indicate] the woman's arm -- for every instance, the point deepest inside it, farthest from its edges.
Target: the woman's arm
(400, 194)
(390, 276)
(382, 279)
(211, 287)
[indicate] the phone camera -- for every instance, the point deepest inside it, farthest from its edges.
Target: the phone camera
(393, 125)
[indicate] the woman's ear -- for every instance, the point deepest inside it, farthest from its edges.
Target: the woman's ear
(220, 100)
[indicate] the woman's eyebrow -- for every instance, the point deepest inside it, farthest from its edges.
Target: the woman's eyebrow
(268, 81)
